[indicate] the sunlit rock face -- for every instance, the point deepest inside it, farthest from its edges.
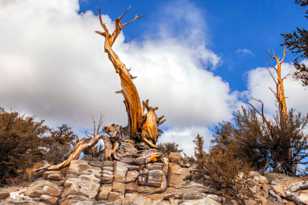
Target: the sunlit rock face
(134, 177)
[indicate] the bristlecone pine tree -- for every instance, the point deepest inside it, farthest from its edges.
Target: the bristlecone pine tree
(220, 171)
(297, 42)
(278, 145)
(168, 147)
(24, 142)
(142, 126)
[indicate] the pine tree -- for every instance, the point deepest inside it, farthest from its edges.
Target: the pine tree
(297, 42)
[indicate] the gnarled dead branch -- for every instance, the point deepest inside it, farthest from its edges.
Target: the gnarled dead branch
(129, 91)
(280, 91)
(139, 123)
(81, 146)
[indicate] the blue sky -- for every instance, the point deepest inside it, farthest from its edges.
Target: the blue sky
(195, 60)
(243, 33)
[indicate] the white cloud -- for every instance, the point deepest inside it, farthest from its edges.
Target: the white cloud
(173, 22)
(259, 82)
(52, 65)
(184, 137)
(244, 52)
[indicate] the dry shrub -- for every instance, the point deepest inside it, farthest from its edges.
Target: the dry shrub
(60, 142)
(19, 144)
(219, 170)
(23, 142)
(168, 147)
(267, 145)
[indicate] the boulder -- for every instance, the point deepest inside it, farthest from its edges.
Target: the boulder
(177, 175)
(104, 190)
(175, 157)
(77, 202)
(113, 196)
(155, 178)
(49, 199)
(4, 194)
(43, 187)
(152, 178)
(155, 166)
(107, 172)
(298, 192)
(139, 199)
(131, 176)
(120, 170)
(81, 167)
(204, 201)
(118, 187)
(131, 187)
(53, 175)
(18, 197)
(86, 185)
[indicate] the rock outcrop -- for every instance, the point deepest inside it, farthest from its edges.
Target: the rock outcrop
(116, 182)
(139, 175)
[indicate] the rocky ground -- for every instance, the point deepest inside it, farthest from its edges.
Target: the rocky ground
(117, 182)
(139, 175)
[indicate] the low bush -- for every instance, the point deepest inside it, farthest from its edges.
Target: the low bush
(24, 142)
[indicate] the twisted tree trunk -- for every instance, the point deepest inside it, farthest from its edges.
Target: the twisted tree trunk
(139, 123)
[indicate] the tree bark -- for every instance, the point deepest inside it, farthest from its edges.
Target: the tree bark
(146, 125)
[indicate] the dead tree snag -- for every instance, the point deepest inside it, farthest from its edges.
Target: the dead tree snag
(280, 90)
(140, 123)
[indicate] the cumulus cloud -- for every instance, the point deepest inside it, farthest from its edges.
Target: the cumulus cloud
(184, 137)
(259, 82)
(52, 65)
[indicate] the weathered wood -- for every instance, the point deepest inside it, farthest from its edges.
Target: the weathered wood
(280, 90)
(149, 132)
(139, 123)
(81, 146)
(129, 90)
(108, 151)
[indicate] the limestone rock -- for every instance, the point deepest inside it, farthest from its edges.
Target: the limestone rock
(4, 194)
(204, 201)
(107, 172)
(81, 167)
(53, 175)
(104, 191)
(298, 192)
(120, 170)
(43, 187)
(137, 176)
(113, 196)
(118, 187)
(86, 185)
(49, 199)
(175, 157)
(18, 197)
(155, 178)
(177, 175)
(75, 199)
(155, 166)
(77, 202)
(152, 178)
(258, 178)
(126, 149)
(131, 187)
(131, 176)
(139, 199)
